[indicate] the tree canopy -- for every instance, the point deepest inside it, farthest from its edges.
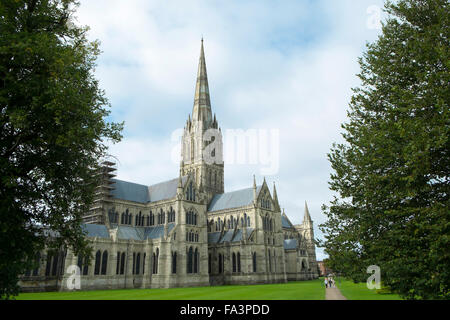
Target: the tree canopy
(54, 126)
(391, 175)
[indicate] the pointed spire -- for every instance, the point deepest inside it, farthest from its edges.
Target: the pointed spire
(275, 197)
(202, 103)
(307, 217)
(254, 190)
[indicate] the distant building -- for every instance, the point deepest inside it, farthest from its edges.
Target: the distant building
(186, 231)
(323, 269)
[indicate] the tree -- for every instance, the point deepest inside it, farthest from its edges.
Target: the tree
(391, 175)
(53, 132)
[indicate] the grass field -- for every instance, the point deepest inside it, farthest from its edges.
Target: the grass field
(359, 291)
(304, 290)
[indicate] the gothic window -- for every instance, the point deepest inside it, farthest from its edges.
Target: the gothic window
(118, 263)
(238, 262)
(143, 263)
(254, 261)
(122, 218)
(98, 257)
(154, 263)
(174, 262)
(138, 263)
(152, 218)
(134, 263)
(270, 261)
(248, 222)
(104, 262)
(157, 259)
(215, 179)
(122, 263)
(189, 260)
(234, 262)
(196, 261)
(242, 222)
(215, 225)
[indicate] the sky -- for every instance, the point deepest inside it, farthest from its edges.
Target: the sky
(281, 67)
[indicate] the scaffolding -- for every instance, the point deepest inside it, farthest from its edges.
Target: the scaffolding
(102, 193)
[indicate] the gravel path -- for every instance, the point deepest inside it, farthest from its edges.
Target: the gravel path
(334, 294)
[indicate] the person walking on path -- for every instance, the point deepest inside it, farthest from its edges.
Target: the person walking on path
(326, 283)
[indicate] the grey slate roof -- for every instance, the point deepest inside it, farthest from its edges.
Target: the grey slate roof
(135, 192)
(290, 244)
(214, 237)
(235, 199)
(285, 223)
(95, 230)
(143, 233)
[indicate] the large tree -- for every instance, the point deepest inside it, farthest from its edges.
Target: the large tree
(392, 174)
(53, 130)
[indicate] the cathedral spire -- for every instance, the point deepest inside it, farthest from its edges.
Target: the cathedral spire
(307, 217)
(202, 104)
(275, 197)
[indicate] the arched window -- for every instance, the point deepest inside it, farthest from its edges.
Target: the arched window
(134, 263)
(196, 261)
(189, 260)
(154, 263)
(254, 261)
(104, 261)
(98, 257)
(270, 261)
(143, 263)
(157, 259)
(234, 262)
(122, 263)
(138, 263)
(118, 263)
(174, 262)
(248, 222)
(152, 218)
(238, 262)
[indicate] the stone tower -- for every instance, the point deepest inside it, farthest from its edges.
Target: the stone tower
(202, 146)
(308, 233)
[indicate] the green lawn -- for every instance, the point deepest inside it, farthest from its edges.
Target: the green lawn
(359, 291)
(303, 290)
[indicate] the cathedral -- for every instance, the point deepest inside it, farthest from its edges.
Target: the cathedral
(186, 231)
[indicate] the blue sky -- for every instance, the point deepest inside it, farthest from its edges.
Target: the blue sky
(286, 65)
